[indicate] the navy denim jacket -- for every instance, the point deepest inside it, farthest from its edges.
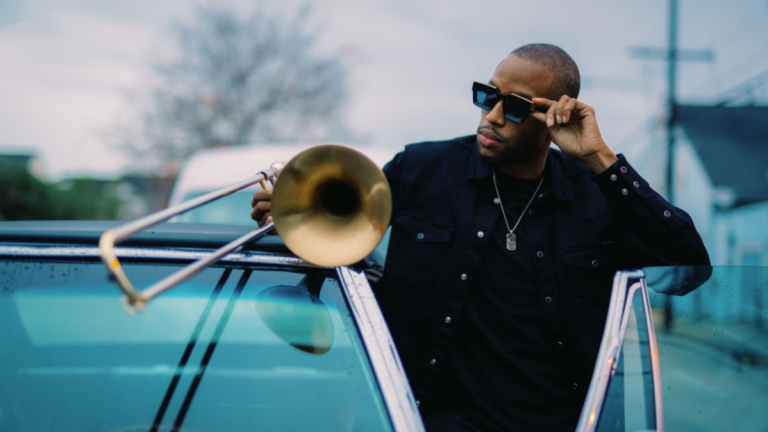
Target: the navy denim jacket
(585, 228)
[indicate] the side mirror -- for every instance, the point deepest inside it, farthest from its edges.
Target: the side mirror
(296, 315)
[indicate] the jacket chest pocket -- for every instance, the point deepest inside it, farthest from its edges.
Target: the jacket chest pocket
(589, 270)
(418, 249)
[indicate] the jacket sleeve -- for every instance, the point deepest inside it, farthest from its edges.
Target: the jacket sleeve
(652, 231)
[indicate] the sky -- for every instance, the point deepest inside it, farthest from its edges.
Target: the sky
(68, 66)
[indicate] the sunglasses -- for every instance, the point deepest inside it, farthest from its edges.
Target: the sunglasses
(516, 107)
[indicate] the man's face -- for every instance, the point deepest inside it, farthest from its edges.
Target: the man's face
(501, 140)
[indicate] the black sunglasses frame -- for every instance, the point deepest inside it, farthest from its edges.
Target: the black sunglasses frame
(510, 100)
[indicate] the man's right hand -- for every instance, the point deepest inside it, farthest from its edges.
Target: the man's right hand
(262, 207)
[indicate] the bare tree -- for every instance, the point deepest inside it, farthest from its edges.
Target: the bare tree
(237, 79)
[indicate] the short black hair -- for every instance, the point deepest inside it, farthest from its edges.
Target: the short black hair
(567, 80)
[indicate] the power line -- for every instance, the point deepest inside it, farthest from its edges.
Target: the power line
(733, 32)
(744, 64)
(739, 90)
(646, 126)
(731, 95)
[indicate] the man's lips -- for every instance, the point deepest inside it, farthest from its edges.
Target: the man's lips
(488, 139)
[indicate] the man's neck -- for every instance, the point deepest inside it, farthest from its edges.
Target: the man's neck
(528, 169)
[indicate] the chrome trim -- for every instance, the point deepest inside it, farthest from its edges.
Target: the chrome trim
(385, 361)
(146, 253)
(630, 293)
(610, 348)
(655, 364)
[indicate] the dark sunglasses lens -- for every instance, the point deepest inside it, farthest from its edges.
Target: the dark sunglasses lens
(516, 109)
(484, 97)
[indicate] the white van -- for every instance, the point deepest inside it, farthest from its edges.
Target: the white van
(212, 169)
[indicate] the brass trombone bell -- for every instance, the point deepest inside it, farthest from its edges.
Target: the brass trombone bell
(331, 205)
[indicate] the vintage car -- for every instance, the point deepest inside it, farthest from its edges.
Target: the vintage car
(263, 340)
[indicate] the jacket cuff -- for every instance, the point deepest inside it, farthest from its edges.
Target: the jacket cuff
(620, 180)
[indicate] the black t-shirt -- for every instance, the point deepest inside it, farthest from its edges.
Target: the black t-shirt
(502, 369)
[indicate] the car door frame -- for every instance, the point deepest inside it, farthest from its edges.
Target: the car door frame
(625, 284)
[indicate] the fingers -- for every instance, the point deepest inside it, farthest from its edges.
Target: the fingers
(567, 109)
(262, 206)
(561, 111)
(261, 212)
(540, 117)
(262, 195)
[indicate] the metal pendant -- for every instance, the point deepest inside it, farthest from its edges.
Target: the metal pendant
(511, 241)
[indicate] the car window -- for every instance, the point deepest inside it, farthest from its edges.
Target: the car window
(232, 209)
(712, 332)
(231, 349)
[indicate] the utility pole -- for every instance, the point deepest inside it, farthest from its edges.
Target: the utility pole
(672, 54)
(671, 100)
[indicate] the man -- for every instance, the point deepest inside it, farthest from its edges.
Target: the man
(502, 252)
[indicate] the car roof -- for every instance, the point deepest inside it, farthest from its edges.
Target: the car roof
(182, 235)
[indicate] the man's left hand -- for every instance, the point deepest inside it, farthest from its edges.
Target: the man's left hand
(573, 127)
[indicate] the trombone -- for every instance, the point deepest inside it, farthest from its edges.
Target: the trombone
(330, 205)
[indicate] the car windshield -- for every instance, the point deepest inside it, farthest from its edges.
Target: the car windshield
(232, 349)
(232, 209)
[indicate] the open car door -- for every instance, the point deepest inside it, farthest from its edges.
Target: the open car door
(624, 394)
(684, 348)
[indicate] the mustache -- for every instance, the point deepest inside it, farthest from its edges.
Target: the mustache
(492, 133)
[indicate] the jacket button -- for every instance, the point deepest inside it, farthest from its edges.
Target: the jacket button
(433, 362)
(463, 276)
(624, 192)
(624, 170)
(531, 212)
(667, 213)
(418, 403)
(559, 344)
(547, 300)
(595, 263)
(496, 200)
(575, 386)
(540, 254)
(480, 234)
(614, 177)
(636, 184)
(420, 236)
(447, 320)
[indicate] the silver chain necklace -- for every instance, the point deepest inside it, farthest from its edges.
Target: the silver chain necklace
(511, 236)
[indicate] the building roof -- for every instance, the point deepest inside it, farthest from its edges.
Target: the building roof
(732, 143)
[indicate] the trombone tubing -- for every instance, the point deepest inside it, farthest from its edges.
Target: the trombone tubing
(111, 237)
(196, 267)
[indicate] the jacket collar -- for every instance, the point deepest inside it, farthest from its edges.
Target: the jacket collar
(479, 169)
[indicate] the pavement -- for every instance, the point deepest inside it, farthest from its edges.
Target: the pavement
(714, 376)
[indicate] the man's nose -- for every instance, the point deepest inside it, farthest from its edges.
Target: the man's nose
(496, 115)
